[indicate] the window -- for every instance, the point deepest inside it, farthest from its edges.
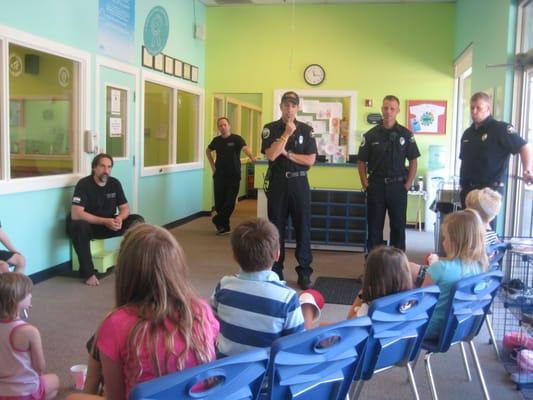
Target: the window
(245, 120)
(187, 127)
(157, 124)
(172, 126)
(43, 113)
(463, 92)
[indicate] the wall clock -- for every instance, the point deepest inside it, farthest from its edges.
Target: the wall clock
(314, 74)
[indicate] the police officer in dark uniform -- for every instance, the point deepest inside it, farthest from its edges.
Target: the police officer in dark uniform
(290, 150)
(381, 164)
(485, 150)
(226, 172)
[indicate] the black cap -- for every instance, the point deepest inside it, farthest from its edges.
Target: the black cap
(291, 97)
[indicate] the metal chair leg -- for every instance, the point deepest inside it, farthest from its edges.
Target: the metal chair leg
(412, 381)
(465, 362)
(479, 372)
(492, 337)
(355, 389)
(427, 361)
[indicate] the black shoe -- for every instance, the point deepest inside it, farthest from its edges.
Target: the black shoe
(304, 282)
(223, 231)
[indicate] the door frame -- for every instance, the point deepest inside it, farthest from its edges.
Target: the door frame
(134, 152)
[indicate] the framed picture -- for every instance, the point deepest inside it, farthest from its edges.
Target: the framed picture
(147, 59)
(187, 71)
(159, 62)
(169, 65)
(426, 116)
(178, 68)
(194, 74)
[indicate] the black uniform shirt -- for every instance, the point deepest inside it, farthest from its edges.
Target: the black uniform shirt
(101, 201)
(300, 142)
(228, 162)
(385, 150)
(485, 152)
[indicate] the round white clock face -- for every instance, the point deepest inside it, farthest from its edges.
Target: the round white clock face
(314, 74)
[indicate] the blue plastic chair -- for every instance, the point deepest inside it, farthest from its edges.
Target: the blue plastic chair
(399, 323)
(319, 363)
(469, 304)
(235, 377)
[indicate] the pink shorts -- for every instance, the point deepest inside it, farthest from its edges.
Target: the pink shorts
(40, 394)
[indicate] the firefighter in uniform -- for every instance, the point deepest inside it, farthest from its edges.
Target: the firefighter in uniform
(381, 165)
(290, 150)
(485, 150)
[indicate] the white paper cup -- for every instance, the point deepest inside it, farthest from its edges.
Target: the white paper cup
(78, 373)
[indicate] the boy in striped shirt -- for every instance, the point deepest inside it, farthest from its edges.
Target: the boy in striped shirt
(254, 307)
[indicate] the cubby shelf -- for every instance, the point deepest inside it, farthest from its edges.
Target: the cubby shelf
(338, 221)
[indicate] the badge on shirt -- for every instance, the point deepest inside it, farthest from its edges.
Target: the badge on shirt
(511, 129)
(300, 139)
(402, 141)
(484, 137)
(266, 133)
(231, 144)
(111, 195)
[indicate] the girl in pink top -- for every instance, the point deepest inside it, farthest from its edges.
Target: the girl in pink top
(159, 324)
(21, 351)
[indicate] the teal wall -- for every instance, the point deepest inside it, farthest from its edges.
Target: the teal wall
(491, 29)
(41, 215)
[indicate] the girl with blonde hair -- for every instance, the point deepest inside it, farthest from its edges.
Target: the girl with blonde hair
(21, 351)
(463, 241)
(159, 324)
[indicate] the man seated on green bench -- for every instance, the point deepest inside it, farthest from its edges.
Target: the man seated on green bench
(94, 213)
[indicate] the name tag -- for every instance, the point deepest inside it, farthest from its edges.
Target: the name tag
(111, 195)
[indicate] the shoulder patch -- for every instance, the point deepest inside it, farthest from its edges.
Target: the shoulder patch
(76, 199)
(363, 142)
(266, 133)
(412, 139)
(510, 129)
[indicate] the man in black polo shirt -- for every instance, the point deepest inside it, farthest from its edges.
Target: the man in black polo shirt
(226, 172)
(94, 213)
(485, 150)
(291, 150)
(381, 164)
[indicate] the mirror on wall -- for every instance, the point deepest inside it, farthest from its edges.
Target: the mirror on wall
(245, 114)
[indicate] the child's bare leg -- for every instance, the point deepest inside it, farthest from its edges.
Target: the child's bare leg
(94, 377)
(415, 269)
(308, 311)
(51, 385)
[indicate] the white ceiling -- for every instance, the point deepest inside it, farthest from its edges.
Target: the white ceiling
(263, 2)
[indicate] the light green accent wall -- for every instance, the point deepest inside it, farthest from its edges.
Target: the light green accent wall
(255, 99)
(490, 29)
(374, 49)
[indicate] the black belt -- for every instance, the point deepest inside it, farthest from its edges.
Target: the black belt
(296, 174)
(495, 184)
(387, 180)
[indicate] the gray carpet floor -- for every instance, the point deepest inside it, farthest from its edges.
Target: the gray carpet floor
(67, 312)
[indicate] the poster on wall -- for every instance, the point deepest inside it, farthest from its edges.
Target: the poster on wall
(426, 116)
(116, 24)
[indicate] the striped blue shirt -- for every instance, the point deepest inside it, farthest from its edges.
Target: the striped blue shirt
(254, 309)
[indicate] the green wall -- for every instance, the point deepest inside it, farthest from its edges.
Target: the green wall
(490, 30)
(374, 49)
